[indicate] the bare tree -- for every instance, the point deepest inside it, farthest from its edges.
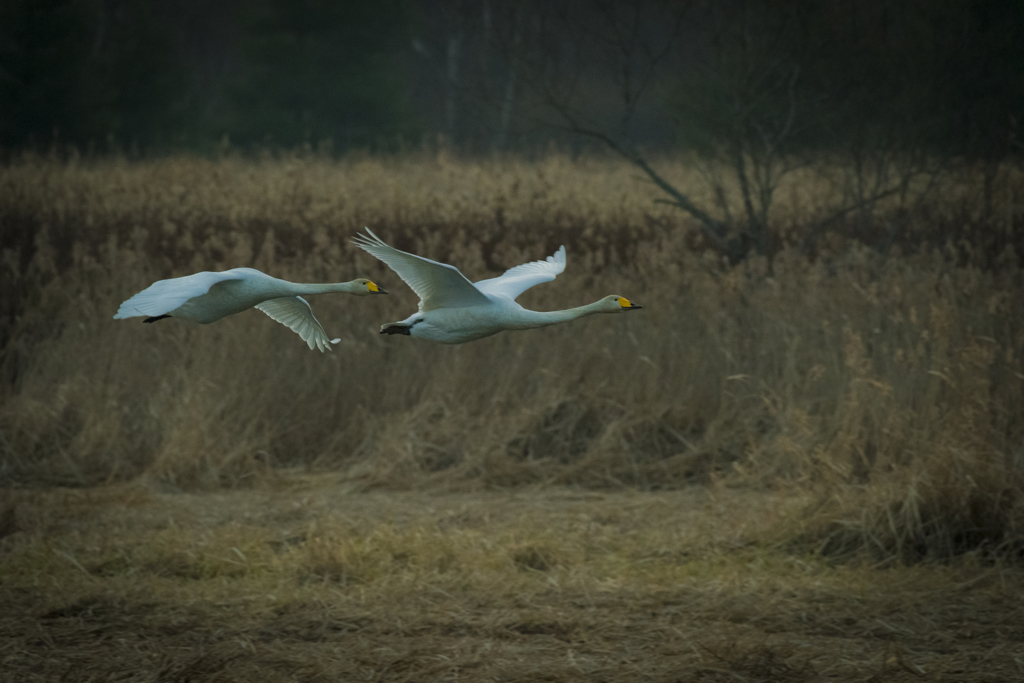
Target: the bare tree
(454, 73)
(511, 78)
(617, 32)
(730, 74)
(472, 53)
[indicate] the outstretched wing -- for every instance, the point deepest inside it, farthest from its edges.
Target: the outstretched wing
(437, 284)
(517, 280)
(295, 313)
(164, 296)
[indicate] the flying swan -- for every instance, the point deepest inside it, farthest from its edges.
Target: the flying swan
(454, 310)
(207, 297)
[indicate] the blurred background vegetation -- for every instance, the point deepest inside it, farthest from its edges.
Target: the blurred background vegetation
(147, 77)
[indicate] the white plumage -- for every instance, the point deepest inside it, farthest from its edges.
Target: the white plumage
(453, 310)
(207, 297)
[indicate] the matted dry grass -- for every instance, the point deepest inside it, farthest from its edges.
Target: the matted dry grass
(308, 580)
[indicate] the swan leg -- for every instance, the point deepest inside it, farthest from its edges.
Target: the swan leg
(153, 320)
(395, 328)
(399, 328)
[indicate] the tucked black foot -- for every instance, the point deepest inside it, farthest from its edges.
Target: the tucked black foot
(395, 328)
(153, 320)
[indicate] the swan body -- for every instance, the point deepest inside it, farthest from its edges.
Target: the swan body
(207, 297)
(453, 310)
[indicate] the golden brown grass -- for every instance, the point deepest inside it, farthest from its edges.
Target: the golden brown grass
(888, 384)
(517, 508)
(308, 580)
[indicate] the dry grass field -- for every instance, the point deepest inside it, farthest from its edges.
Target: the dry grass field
(309, 580)
(795, 469)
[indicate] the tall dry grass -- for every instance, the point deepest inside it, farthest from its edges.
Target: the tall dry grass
(889, 383)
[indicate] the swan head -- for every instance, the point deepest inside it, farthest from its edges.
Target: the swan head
(366, 287)
(618, 304)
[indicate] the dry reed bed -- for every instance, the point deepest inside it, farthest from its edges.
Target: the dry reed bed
(892, 385)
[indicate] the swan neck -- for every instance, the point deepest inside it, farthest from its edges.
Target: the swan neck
(312, 288)
(555, 317)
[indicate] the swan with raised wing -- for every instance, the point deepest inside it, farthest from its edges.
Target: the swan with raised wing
(453, 310)
(207, 297)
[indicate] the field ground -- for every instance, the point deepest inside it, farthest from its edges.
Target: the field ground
(307, 579)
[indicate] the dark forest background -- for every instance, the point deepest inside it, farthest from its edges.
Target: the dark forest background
(151, 76)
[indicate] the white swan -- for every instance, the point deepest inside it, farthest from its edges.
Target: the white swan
(207, 297)
(454, 310)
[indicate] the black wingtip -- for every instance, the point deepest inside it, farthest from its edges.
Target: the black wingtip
(153, 320)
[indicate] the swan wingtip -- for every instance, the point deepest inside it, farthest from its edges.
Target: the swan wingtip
(367, 242)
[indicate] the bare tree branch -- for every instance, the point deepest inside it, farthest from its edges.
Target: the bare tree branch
(815, 232)
(713, 229)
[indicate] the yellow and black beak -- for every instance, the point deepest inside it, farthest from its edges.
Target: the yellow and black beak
(628, 305)
(374, 289)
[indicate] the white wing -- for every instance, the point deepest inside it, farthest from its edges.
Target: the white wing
(295, 313)
(517, 280)
(164, 296)
(437, 284)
